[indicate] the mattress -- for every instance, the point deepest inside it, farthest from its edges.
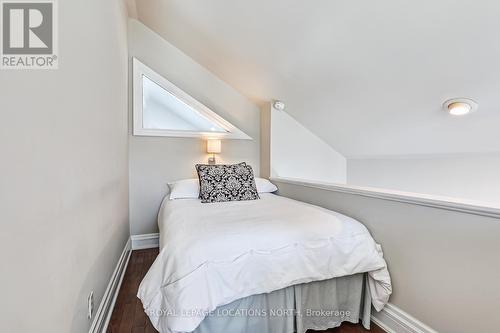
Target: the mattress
(213, 254)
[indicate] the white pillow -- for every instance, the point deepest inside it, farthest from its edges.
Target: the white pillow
(184, 189)
(264, 185)
(190, 188)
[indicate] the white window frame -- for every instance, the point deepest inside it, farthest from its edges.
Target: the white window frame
(140, 70)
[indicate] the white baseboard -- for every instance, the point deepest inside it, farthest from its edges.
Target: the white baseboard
(145, 241)
(103, 314)
(394, 320)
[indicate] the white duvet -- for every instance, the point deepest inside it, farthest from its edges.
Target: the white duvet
(212, 254)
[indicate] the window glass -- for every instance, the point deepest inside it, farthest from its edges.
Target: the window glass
(164, 111)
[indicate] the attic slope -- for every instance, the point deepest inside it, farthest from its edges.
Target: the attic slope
(367, 77)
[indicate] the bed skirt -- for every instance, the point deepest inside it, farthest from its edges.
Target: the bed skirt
(315, 305)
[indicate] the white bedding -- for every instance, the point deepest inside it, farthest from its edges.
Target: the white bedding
(212, 254)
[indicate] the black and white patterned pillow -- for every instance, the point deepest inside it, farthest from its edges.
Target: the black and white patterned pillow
(219, 183)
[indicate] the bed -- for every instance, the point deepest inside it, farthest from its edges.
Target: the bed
(267, 265)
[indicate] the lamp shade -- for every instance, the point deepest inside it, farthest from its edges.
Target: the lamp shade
(213, 146)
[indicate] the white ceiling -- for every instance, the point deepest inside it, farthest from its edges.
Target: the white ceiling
(369, 77)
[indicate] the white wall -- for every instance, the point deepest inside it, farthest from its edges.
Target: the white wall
(154, 161)
(296, 152)
(64, 175)
(465, 176)
(443, 264)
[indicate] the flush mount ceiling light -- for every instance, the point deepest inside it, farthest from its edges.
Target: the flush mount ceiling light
(279, 105)
(460, 106)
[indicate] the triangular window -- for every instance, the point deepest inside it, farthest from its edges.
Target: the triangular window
(162, 109)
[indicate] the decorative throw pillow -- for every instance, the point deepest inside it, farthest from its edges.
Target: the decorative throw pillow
(220, 183)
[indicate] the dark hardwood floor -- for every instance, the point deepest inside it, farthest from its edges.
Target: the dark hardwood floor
(129, 317)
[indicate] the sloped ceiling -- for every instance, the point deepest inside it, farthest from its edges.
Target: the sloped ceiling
(369, 77)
